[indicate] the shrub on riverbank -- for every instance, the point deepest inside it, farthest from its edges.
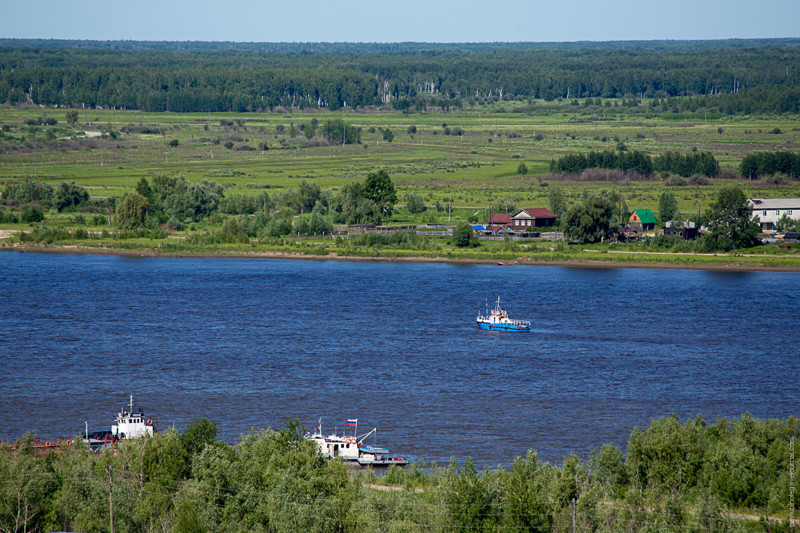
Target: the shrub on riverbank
(675, 476)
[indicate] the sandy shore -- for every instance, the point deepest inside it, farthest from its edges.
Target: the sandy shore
(521, 261)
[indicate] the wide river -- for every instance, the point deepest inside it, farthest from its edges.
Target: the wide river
(249, 343)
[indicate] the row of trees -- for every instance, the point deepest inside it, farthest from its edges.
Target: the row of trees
(674, 476)
(193, 79)
(62, 196)
(754, 166)
(171, 199)
(634, 160)
(729, 219)
(703, 163)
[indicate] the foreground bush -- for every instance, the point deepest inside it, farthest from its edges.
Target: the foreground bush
(675, 477)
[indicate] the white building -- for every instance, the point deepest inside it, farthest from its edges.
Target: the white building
(770, 210)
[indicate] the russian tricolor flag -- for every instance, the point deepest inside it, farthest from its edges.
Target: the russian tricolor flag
(352, 421)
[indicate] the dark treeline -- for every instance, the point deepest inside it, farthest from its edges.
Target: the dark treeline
(703, 163)
(198, 77)
(760, 164)
(675, 476)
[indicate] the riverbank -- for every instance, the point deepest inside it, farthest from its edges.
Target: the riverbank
(577, 258)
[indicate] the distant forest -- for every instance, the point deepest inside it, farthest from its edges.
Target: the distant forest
(734, 76)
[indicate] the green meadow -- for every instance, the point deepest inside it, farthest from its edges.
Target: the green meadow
(469, 159)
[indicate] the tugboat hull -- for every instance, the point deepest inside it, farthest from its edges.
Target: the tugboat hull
(502, 327)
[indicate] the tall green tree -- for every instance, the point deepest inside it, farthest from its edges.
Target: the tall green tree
(67, 194)
(557, 201)
(525, 505)
(590, 221)
(143, 188)
(379, 188)
(464, 236)
(470, 501)
(338, 132)
(72, 117)
(198, 435)
(667, 206)
(132, 210)
(731, 222)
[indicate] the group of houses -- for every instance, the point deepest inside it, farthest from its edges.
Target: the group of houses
(522, 222)
(641, 221)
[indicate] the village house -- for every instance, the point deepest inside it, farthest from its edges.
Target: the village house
(498, 222)
(642, 220)
(538, 217)
(686, 230)
(770, 210)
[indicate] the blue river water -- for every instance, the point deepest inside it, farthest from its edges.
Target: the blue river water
(251, 342)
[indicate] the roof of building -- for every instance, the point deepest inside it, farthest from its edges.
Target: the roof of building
(645, 216)
(499, 218)
(495, 227)
(534, 212)
(775, 203)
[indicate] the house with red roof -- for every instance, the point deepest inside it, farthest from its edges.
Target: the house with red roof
(537, 217)
(498, 221)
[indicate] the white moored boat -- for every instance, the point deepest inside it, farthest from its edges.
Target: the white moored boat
(351, 448)
(130, 423)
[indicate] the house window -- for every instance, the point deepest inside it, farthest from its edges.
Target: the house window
(777, 212)
(789, 212)
(765, 213)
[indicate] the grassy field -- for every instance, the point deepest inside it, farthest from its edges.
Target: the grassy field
(470, 157)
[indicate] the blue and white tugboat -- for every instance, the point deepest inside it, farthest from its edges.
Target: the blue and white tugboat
(352, 449)
(498, 320)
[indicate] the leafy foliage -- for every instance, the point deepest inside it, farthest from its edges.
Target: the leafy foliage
(590, 221)
(338, 132)
(378, 187)
(731, 222)
(198, 77)
(675, 475)
(464, 236)
(624, 160)
(415, 203)
(703, 163)
(132, 210)
(667, 206)
(760, 164)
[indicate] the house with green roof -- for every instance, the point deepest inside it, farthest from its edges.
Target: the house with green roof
(642, 220)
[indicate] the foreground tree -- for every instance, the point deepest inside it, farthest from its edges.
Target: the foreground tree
(415, 203)
(464, 236)
(132, 210)
(338, 132)
(590, 221)
(379, 188)
(731, 221)
(67, 194)
(667, 206)
(557, 201)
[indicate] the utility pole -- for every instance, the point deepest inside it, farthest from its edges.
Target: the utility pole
(111, 497)
(572, 504)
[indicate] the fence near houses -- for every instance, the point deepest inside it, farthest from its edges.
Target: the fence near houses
(549, 236)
